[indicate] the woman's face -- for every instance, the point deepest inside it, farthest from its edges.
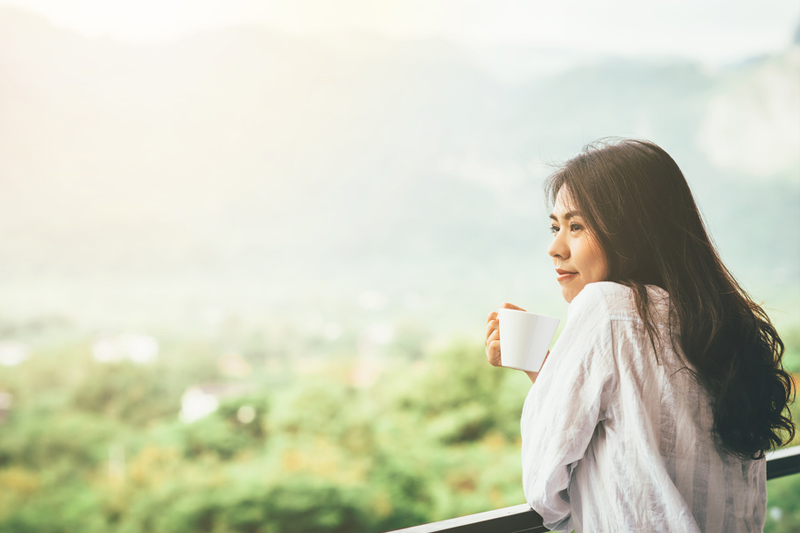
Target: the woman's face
(576, 253)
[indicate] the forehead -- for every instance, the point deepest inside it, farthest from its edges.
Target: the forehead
(564, 203)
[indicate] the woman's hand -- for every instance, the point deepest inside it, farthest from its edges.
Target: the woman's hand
(493, 335)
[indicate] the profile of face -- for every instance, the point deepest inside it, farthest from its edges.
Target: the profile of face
(576, 252)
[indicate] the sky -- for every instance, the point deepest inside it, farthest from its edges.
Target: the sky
(711, 31)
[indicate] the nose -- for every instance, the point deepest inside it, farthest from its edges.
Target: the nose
(559, 247)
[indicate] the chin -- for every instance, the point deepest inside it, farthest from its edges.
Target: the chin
(569, 293)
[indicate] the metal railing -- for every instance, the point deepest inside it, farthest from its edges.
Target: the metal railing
(523, 519)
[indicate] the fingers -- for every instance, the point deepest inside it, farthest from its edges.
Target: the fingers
(492, 326)
(493, 343)
(492, 332)
(493, 352)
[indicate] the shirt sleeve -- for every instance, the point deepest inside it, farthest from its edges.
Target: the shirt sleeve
(565, 404)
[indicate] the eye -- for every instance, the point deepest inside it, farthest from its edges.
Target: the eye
(553, 229)
(575, 227)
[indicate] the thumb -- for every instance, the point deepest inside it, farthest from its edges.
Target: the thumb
(506, 305)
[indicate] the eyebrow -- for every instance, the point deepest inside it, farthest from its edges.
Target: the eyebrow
(568, 215)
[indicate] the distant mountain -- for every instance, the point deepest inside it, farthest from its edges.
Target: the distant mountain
(353, 161)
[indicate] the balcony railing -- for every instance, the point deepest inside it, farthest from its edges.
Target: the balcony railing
(522, 519)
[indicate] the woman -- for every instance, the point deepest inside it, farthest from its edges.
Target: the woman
(665, 388)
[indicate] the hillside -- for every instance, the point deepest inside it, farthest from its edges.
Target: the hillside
(256, 170)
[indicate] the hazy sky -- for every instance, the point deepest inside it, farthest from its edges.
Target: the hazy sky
(710, 30)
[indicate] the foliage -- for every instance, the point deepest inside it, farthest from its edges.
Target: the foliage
(97, 447)
(791, 356)
(93, 447)
(783, 511)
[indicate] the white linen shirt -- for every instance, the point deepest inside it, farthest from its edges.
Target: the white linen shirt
(615, 441)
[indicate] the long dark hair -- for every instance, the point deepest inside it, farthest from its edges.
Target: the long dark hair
(637, 202)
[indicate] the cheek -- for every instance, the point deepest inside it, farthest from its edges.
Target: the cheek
(597, 263)
(601, 272)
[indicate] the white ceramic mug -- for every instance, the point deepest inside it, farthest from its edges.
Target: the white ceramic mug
(525, 338)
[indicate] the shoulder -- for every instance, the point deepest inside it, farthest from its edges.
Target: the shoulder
(587, 340)
(615, 301)
(603, 297)
(590, 312)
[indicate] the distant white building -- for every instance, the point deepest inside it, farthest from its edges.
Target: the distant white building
(200, 401)
(197, 403)
(137, 348)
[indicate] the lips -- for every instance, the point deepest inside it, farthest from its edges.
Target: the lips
(564, 275)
